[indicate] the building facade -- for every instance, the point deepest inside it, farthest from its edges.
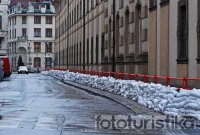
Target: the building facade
(86, 41)
(31, 33)
(156, 37)
(3, 26)
(174, 47)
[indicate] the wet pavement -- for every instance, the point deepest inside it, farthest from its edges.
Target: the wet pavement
(40, 105)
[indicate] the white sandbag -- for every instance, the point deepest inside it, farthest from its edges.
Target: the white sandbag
(171, 113)
(192, 106)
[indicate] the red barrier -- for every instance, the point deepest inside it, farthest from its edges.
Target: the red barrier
(145, 78)
(116, 75)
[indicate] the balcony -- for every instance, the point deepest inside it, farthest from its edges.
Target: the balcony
(22, 38)
(3, 33)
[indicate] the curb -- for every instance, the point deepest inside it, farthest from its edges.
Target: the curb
(135, 107)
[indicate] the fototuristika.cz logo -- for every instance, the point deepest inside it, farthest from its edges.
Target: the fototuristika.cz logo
(143, 122)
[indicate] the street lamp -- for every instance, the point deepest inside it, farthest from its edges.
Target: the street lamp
(29, 52)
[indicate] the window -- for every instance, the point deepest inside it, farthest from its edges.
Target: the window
(48, 32)
(0, 22)
(48, 19)
(23, 32)
(37, 19)
(80, 52)
(182, 32)
(92, 4)
(10, 34)
(163, 1)
(87, 5)
(152, 3)
(88, 56)
(24, 20)
(15, 33)
(92, 51)
(97, 49)
(80, 9)
(14, 21)
(37, 47)
(77, 53)
(49, 47)
(37, 32)
(77, 12)
(102, 45)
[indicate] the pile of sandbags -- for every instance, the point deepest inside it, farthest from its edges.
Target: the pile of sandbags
(156, 96)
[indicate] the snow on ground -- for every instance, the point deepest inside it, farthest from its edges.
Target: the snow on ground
(155, 96)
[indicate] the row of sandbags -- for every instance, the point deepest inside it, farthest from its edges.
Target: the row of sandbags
(156, 96)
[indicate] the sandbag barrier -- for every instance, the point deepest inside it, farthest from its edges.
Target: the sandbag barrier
(158, 97)
(184, 83)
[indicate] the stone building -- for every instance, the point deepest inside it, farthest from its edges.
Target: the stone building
(156, 37)
(93, 50)
(174, 45)
(31, 33)
(3, 26)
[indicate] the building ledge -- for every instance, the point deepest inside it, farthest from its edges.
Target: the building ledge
(182, 61)
(164, 3)
(151, 9)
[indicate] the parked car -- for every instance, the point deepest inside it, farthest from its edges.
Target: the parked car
(6, 66)
(1, 70)
(23, 70)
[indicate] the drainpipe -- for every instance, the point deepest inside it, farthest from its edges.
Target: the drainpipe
(113, 61)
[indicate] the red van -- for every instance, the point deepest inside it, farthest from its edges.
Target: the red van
(6, 66)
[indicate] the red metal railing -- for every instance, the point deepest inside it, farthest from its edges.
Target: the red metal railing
(179, 82)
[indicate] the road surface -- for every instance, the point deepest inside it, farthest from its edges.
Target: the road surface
(40, 105)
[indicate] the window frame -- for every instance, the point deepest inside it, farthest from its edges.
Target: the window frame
(39, 31)
(182, 33)
(37, 19)
(24, 19)
(48, 32)
(49, 20)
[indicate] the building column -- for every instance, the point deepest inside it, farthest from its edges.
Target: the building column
(152, 59)
(164, 38)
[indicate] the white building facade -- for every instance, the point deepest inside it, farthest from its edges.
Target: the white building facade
(3, 26)
(31, 34)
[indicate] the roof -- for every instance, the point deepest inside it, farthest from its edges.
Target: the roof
(24, 4)
(13, 2)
